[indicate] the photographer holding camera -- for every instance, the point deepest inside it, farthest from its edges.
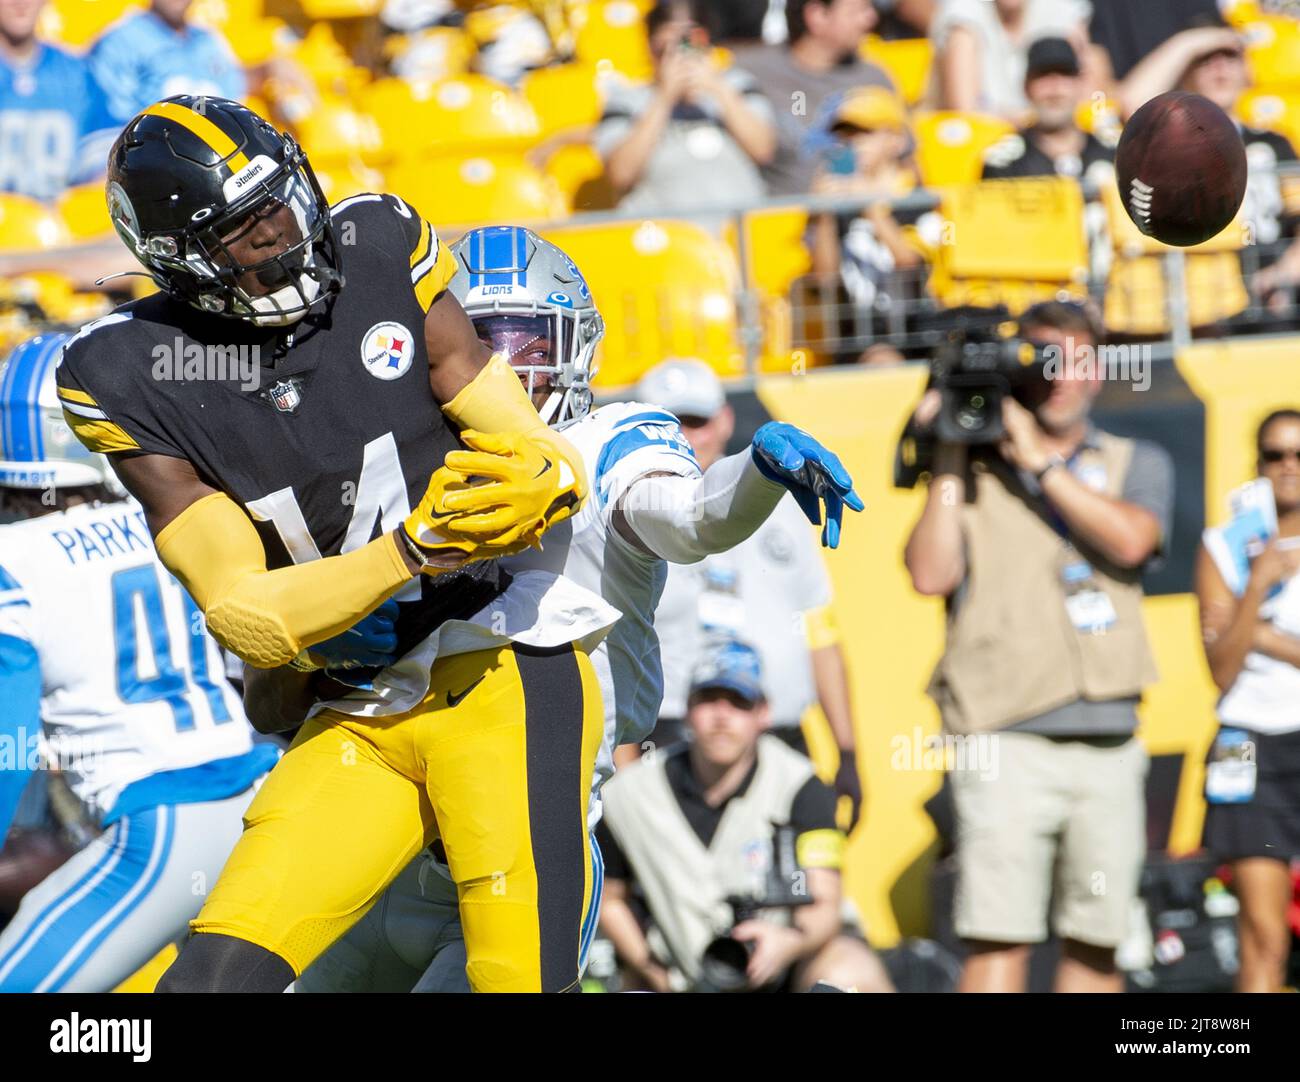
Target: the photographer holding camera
(1037, 540)
(730, 839)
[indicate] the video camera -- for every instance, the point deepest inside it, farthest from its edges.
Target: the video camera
(974, 369)
(725, 959)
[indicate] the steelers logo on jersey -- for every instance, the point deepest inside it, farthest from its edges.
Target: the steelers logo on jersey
(387, 350)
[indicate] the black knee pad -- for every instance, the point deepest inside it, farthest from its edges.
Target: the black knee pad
(211, 962)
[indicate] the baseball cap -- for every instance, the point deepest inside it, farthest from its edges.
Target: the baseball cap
(1051, 56)
(870, 108)
(731, 665)
(686, 387)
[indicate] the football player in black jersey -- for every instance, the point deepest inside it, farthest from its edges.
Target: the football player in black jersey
(301, 382)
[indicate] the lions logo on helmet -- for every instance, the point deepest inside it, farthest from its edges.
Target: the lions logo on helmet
(528, 301)
(37, 448)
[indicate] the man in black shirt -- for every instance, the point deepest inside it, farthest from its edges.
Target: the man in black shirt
(1054, 144)
(694, 826)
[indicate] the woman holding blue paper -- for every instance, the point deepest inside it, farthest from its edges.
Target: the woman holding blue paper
(1248, 585)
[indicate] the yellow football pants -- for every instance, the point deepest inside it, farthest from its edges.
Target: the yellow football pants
(497, 760)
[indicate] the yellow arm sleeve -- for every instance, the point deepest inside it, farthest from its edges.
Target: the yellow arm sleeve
(495, 401)
(269, 617)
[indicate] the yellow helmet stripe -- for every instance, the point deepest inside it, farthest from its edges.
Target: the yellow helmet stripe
(201, 126)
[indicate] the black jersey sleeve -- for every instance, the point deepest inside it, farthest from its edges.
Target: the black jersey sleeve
(98, 381)
(430, 262)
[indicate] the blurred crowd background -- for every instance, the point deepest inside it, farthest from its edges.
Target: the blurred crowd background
(794, 196)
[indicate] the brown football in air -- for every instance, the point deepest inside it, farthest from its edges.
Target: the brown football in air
(1181, 168)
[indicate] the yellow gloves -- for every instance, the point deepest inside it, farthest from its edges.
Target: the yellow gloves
(517, 479)
(494, 499)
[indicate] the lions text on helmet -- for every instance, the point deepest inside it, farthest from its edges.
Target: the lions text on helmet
(529, 302)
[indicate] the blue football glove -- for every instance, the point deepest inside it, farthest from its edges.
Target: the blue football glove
(371, 641)
(791, 457)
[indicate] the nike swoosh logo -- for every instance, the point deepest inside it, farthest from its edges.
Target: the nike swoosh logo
(455, 700)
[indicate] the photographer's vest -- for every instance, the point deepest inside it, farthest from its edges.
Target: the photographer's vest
(685, 884)
(1013, 651)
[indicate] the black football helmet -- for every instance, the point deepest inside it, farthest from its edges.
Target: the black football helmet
(187, 175)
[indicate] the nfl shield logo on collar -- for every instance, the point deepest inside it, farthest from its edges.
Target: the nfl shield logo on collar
(285, 395)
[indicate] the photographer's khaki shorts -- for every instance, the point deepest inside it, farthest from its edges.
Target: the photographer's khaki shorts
(1057, 823)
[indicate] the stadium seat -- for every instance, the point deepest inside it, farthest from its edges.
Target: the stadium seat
(1136, 285)
(77, 23)
(327, 63)
(907, 61)
(453, 190)
(665, 288)
(1275, 110)
(565, 96)
(466, 113)
(29, 226)
(579, 175)
(335, 132)
(84, 211)
(1012, 242)
(950, 146)
(340, 179)
(252, 36)
(775, 254)
(613, 34)
(436, 52)
(1273, 51)
(341, 9)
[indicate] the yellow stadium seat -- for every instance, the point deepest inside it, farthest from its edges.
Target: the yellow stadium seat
(907, 61)
(340, 179)
(950, 146)
(77, 23)
(453, 190)
(775, 254)
(29, 226)
(437, 52)
(327, 63)
(1135, 287)
(468, 112)
(1276, 110)
(579, 174)
(565, 96)
(1273, 51)
(612, 34)
(341, 9)
(85, 212)
(336, 132)
(1012, 242)
(665, 288)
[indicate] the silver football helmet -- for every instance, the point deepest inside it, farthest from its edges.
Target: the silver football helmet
(529, 301)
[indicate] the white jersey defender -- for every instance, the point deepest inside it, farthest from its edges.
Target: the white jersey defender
(108, 675)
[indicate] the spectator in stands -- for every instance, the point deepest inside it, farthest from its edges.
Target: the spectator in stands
(772, 588)
(981, 49)
(1128, 31)
(901, 19)
(690, 827)
(1252, 643)
(865, 249)
(697, 136)
(1053, 144)
(158, 53)
(55, 129)
(819, 63)
(1038, 546)
(740, 22)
